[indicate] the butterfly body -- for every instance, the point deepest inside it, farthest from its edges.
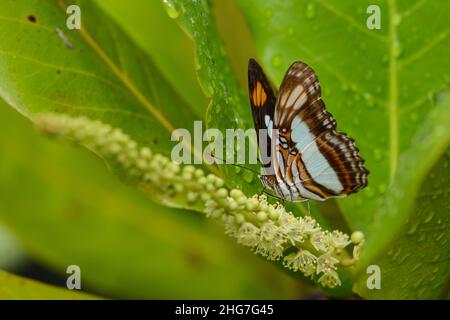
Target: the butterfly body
(303, 155)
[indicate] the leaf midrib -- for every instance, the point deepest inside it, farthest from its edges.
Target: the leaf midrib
(132, 88)
(121, 76)
(393, 91)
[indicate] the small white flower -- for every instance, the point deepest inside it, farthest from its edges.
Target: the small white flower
(271, 244)
(231, 226)
(309, 225)
(269, 231)
(326, 263)
(248, 235)
(271, 251)
(302, 260)
(330, 279)
(292, 229)
(339, 240)
(321, 241)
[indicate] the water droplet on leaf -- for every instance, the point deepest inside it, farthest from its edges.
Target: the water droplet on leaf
(429, 217)
(402, 259)
(421, 237)
(310, 11)
(398, 50)
(248, 176)
(382, 188)
(173, 9)
(414, 117)
(413, 228)
(416, 266)
(436, 257)
(397, 19)
(276, 61)
(378, 154)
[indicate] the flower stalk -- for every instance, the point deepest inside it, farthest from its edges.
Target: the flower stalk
(267, 229)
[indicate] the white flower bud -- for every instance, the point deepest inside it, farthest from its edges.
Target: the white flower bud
(236, 194)
(357, 237)
(252, 204)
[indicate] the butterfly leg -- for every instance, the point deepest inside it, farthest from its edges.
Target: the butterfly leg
(309, 207)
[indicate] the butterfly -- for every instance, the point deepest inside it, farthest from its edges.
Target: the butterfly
(303, 155)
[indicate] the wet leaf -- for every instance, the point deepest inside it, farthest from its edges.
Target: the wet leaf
(103, 74)
(67, 209)
(381, 86)
(171, 50)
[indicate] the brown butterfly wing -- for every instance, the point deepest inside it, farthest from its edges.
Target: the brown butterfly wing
(320, 162)
(262, 100)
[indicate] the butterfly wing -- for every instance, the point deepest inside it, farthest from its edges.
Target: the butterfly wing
(262, 100)
(316, 161)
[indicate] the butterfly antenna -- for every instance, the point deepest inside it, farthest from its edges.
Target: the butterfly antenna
(273, 196)
(238, 165)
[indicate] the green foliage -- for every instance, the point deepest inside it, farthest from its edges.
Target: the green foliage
(384, 87)
(172, 53)
(411, 229)
(67, 209)
(17, 288)
(105, 76)
(380, 86)
(229, 105)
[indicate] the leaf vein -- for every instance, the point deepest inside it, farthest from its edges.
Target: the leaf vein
(350, 20)
(63, 68)
(419, 53)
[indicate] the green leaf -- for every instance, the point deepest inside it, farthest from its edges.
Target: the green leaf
(11, 253)
(95, 50)
(229, 108)
(13, 287)
(66, 208)
(236, 37)
(411, 228)
(172, 51)
(364, 74)
(379, 85)
(104, 76)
